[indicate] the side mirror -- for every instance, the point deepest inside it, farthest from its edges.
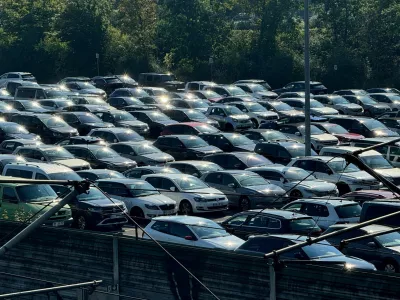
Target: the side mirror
(232, 185)
(172, 189)
(329, 172)
(298, 133)
(189, 238)
(371, 245)
(42, 158)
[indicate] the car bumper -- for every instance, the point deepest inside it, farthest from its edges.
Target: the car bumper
(156, 213)
(59, 222)
(210, 206)
(358, 187)
(243, 126)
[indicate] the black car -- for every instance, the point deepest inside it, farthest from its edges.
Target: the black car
(116, 135)
(228, 142)
(138, 172)
(108, 83)
(96, 174)
(84, 122)
(129, 92)
(50, 128)
(281, 152)
(93, 108)
(122, 118)
(195, 168)
(55, 104)
(189, 115)
(167, 81)
(94, 209)
(101, 157)
(27, 105)
(384, 90)
(354, 92)
(122, 102)
(82, 140)
(370, 106)
(270, 221)
(11, 130)
(238, 160)
(8, 146)
(154, 119)
(382, 250)
(185, 146)
(266, 135)
(299, 86)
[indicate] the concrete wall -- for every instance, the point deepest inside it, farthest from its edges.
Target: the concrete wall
(138, 268)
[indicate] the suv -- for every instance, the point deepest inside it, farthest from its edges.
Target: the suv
(29, 92)
(316, 88)
(370, 106)
(327, 212)
(167, 81)
(379, 208)
(230, 118)
(18, 75)
(390, 152)
(12, 85)
(342, 105)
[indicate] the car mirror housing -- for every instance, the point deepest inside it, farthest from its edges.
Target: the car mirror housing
(172, 189)
(231, 185)
(371, 245)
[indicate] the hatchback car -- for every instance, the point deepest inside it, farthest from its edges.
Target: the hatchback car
(238, 160)
(191, 194)
(146, 170)
(229, 118)
(281, 152)
(192, 128)
(370, 106)
(9, 146)
(270, 221)
(11, 130)
(229, 142)
(84, 122)
(258, 114)
(116, 135)
(141, 199)
(342, 105)
(154, 119)
(355, 92)
(144, 153)
(191, 231)
(344, 136)
(123, 119)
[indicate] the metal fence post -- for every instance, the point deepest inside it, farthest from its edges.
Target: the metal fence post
(115, 264)
(272, 282)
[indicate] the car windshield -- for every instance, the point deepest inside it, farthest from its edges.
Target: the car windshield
(128, 135)
(316, 104)
(67, 175)
(31, 105)
(348, 211)
(158, 116)
(253, 160)
(336, 129)
(232, 110)
(95, 101)
(372, 124)
(105, 153)
(146, 149)
(321, 250)
(208, 230)
(57, 94)
(190, 183)
(208, 167)
(304, 224)
(197, 104)
(194, 142)
(376, 162)
(85, 85)
(250, 180)
(236, 91)
(255, 87)
(281, 106)
(14, 129)
(58, 153)
(274, 135)
(89, 118)
(123, 116)
(93, 194)
(142, 188)
(298, 174)
(339, 100)
(110, 174)
(54, 122)
(36, 193)
(339, 166)
(394, 98)
(314, 130)
(238, 139)
(195, 115)
(389, 239)
(255, 107)
(139, 93)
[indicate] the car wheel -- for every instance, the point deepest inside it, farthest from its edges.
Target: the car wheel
(229, 127)
(82, 223)
(255, 123)
(137, 212)
(391, 267)
(244, 204)
(185, 208)
(296, 194)
(343, 188)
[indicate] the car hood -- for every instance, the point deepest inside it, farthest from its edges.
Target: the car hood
(167, 122)
(317, 185)
(268, 189)
(132, 123)
(157, 199)
(267, 94)
(72, 163)
(351, 262)
(207, 192)
(206, 149)
(394, 173)
(240, 117)
(118, 160)
(158, 157)
(92, 91)
(324, 111)
(99, 124)
(229, 242)
(324, 137)
(349, 136)
(247, 147)
(26, 136)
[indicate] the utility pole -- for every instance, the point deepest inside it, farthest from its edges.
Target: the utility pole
(307, 112)
(211, 63)
(98, 65)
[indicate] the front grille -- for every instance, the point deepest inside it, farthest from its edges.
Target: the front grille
(218, 207)
(167, 206)
(330, 143)
(215, 199)
(113, 210)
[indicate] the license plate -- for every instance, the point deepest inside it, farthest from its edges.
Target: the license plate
(58, 224)
(217, 204)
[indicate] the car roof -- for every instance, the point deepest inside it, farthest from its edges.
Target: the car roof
(320, 158)
(47, 167)
(187, 220)
(170, 175)
(326, 201)
(121, 180)
(86, 146)
(40, 147)
(191, 124)
(234, 172)
(369, 228)
(24, 141)
(342, 149)
(192, 162)
(96, 171)
(285, 144)
(114, 129)
(179, 136)
(285, 214)
(273, 168)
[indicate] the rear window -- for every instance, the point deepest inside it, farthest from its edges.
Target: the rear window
(27, 76)
(26, 93)
(305, 224)
(348, 211)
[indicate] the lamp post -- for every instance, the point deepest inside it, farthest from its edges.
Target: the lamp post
(98, 65)
(307, 139)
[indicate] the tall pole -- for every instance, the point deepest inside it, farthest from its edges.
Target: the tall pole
(307, 112)
(98, 65)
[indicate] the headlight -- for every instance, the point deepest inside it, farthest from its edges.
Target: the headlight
(199, 199)
(151, 206)
(94, 209)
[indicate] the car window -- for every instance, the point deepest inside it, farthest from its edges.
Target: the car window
(179, 230)
(228, 179)
(19, 173)
(9, 195)
(258, 221)
(307, 165)
(316, 210)
(167, 184)
(40, 176)
(239, 220)
(161, 226)
(215, 178)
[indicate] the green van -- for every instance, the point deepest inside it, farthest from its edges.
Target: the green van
(20, 202)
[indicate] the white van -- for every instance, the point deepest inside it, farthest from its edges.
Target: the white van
(371, 158)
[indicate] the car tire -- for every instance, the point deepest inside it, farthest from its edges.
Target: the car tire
(185, 208)
(343, 188)
(137, 212)
(244, 204)
(229, 127)
(255, 123)
(390, 266)
(82, 223)
(295, 195)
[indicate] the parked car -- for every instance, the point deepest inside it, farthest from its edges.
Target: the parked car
(362, 196)
(350, 92)
(185, 146)
(381, 250)
(255, 81)
(316, 108)
(189, 115)
(257, 91)
(197, 85)
(17, 75)
(319, 138)
(245, 189)
(101, 157)
(347, 177)
(11, 85)
(90, 100)
(319, 252)
(392, 100)
(108, 83)
(167, 81)
(123, 119)
(327, 212)
(282, 109)
(228, 142)
(146, 170)
(190, 193)
(383, 90)
(154, 119)
(227, 90)
(196, 168)
(50, 128)
(11, 130)
(96, 174)
(141, 198)
(129, 92)
(281, 152)
(191, 103)
(296, 182)
(8, 146)
(370, 106)
(270, 221)
(344, 137)
(85, 88)
(392, 124)
(144, 153)
(27, 105)
(266, 135)
(191, 231)
(342, 105)
(258, 114)
(50, 153)
(229, 118)
(116, 135)
(75, 79)
(299, 86)
(238, 160)
(191, 128)
(122, 102)
(79, 140)
(156, 91)
(84, 122)
(379, 208)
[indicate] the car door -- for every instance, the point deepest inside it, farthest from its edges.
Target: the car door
(231, 188)
(323, 172)
(319, 213)
(180, 233)
(218, 114)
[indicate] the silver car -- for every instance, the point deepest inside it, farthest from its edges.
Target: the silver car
(316, 108)
(230, 118)
(342, 105)
(258, 113)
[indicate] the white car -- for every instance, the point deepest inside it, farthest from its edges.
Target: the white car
(299, 182)
(327, 212)
(258, 113)
(230, 118)
(190, 193)
(348, 178)
(257, 90)
(191, 231)
(141, 199)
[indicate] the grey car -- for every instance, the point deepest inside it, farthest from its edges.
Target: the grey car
(392, 100)
(195, 168)
(371, 107)
(230, 118)
(316, 108)
(245, 189)
(342, 105)
(144, 153)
